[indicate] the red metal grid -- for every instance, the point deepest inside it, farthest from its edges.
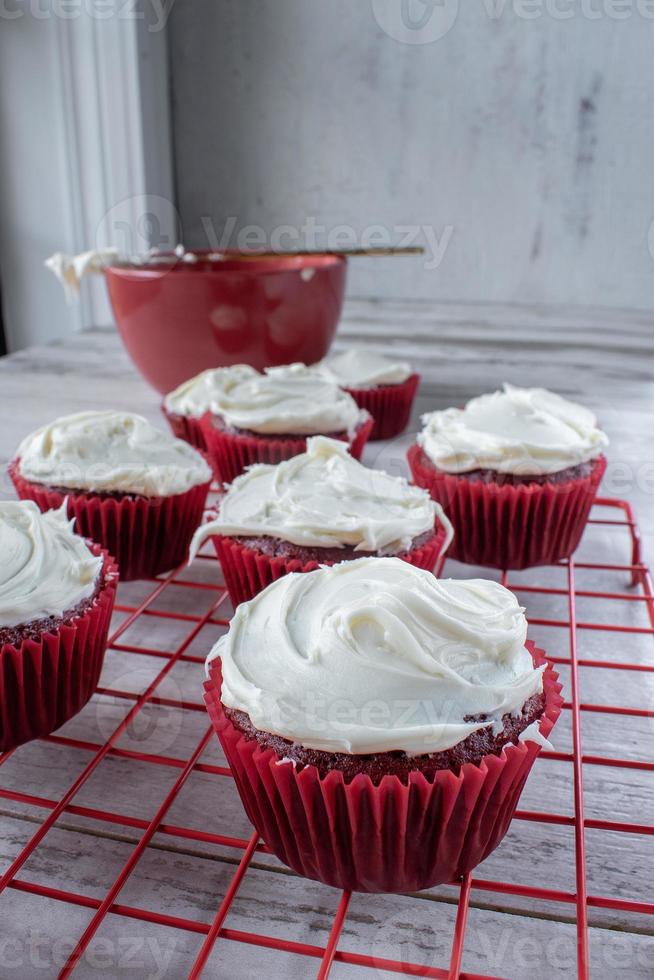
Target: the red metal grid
(641, 591)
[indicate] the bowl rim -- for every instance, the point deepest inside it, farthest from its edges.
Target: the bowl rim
(235, 260)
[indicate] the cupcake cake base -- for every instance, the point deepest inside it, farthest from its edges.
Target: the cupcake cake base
(470, 750)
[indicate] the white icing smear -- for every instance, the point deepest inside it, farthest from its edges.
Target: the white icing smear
(46, 569)
(283, 400)
(516, 430)
(376, 655)
(363, 369)
(532, 734)
(71, 269)
(325, 498)
(112, 452)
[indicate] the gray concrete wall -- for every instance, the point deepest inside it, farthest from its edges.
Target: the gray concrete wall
(521, 138)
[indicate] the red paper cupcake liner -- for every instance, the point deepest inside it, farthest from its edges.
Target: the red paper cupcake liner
(45, 682)
(505, 526)
(389, 405)
(231, 453)
(146, 535)
(190, 430)
(186, 428)
(393, 837)
(248, 571)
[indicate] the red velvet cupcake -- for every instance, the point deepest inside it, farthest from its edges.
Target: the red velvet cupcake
(131, 488)
(56, 599)
(380, 723)
(381, 386)
(247, 417)
(319, 508)
(516, 472)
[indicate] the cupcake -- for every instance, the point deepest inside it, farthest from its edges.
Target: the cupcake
(56, 598)
(386, 388)
(319, 508)
(185, 406)
(265, 418)
(516, 471)
(136, 491)
(379, 722)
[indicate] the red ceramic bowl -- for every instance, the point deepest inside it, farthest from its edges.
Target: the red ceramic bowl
(179, 318)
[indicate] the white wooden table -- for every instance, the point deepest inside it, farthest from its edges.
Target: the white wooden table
(603, 359)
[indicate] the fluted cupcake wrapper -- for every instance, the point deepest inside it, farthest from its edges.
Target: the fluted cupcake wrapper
(186, 428)
(389, 405)
(505, 526)
(146, 535)
(248, 571)
(393, 837)
(230, 453)
(191, 431)
(45, 682)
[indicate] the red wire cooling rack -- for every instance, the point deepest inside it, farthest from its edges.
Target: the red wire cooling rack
(319, 960)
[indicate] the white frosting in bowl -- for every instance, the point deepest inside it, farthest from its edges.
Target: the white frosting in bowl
(111, 452)
(376, 655)
(327, 499)
(283, 400)
(363, 369)
(516, 430)
(45, 569)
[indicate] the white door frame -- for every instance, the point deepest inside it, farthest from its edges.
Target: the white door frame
(113, 97)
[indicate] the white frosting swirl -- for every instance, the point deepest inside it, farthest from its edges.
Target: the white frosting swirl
(197, 395)
(363, 369)
(516, 430)
(111, 451)
(327, 499)
(288, 399)
(46, 569)
(375, 655)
